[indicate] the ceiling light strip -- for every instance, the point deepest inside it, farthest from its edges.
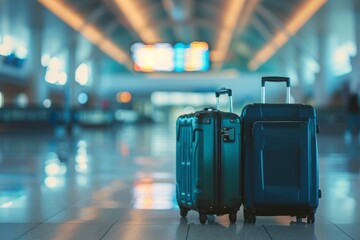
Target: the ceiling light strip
(248, 11)
(296, 21)
(89, 31)
(231, 16)
(137, 18)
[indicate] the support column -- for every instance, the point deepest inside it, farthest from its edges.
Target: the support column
(4, 17)
(69, 88)
(324, 77)
(355, 61)
(39, 88)
(96, 78)
(300, 70)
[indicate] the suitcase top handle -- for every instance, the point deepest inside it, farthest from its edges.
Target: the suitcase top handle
(224, 91)
(275, 79)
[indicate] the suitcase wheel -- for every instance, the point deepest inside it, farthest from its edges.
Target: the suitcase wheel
(311, 218)
(233, 217)
(183, 212)
(202, 218)
(249, 217)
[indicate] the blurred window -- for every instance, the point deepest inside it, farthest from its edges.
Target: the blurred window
(341, 59)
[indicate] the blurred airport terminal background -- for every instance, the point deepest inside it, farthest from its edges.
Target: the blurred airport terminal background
(107, 62)
(90, 91)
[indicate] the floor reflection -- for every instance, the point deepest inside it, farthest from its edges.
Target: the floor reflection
(149, 194)
(353, 156)
(125, 176)
(12, 198)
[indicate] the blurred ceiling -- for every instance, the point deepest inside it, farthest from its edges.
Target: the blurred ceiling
(242, 34)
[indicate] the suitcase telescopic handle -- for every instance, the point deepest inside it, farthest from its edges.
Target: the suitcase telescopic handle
(275, 79)
(221, 92)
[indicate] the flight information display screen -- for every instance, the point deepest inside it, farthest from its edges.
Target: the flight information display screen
(164, 57)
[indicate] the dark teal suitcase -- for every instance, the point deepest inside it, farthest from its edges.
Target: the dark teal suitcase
(280, 159)
(207, 162)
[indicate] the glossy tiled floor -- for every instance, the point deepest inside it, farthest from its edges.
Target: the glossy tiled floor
(119, 184)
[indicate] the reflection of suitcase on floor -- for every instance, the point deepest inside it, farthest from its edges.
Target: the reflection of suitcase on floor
(280, 159)
(207, 162)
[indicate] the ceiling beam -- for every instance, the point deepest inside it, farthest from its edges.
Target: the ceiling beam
(301, 16)
(248, 12)
(111, 5)
(203, 22)
(276, 22)
(88, 30)
(93, 17)
(179, 11)
(108, 31)
(138, 19)
(261, 28)
(231, 14)
(267, 35)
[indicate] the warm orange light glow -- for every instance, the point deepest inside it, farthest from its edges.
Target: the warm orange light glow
(296, 21)
(124, 149)
(138, 20)
(137, 67)
(64, 12)
(92, 34)
(110, 48)
(123, 97)
(146, 180)
(231, 16)
(202, 45)
(194, 56)
(89, 31)
(223, 40)
(215, 55)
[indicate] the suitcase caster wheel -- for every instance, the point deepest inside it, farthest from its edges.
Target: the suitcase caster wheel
(202, 218)
(311, 218)
(249, 217)
(232, 217)
(252, 218)
(183, 212)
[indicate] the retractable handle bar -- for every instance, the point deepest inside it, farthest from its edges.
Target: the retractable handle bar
(275, 79)
(221, 92)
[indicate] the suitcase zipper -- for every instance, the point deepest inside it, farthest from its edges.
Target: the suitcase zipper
(218, 162)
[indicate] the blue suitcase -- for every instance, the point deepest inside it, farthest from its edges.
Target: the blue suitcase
(280, 159)
(207, 162)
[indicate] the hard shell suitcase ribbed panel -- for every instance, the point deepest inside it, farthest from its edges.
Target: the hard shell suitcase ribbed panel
(207, 163)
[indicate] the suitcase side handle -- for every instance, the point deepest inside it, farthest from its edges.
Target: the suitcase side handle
(275, 79)
(222, 91)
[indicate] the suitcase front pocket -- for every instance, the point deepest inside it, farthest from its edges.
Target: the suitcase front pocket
(281, 162)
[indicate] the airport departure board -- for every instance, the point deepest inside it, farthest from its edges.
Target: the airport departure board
(164, 57)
